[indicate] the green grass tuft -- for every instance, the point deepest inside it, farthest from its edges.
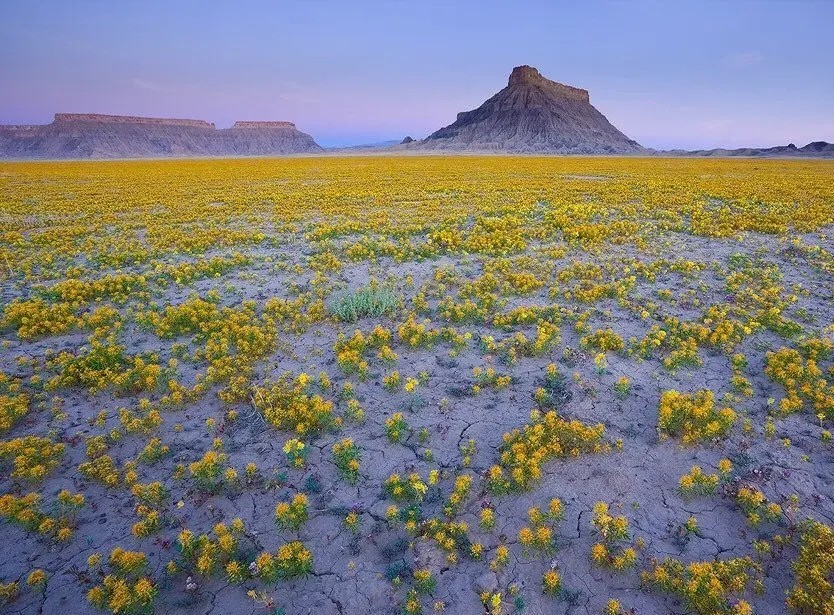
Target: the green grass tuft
(366, 301)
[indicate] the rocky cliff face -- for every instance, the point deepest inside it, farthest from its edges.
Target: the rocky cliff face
(533, 114)
(73, 135)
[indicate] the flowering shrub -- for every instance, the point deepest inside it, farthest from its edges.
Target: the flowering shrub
(697, 483)
(103, 365)
(409, 489)
(287, 406)
(396, 428)
(28, 512)
(610, 551)
(14, 404)
(708, 588)
(290, 561)
(812, 591)
(293, 514)
(547, 436)
(211, 553)
(346, 456)
(802, 378)
(755, 505)
(124, 590)
(693, 417)
(32, 457)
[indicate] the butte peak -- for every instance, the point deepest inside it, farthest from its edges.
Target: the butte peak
(529, 76)
(533, 114)
(525, 75)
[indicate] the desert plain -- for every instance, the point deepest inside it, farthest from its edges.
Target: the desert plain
(417, 384)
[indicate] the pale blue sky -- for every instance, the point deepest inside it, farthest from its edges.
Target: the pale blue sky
(669, 74)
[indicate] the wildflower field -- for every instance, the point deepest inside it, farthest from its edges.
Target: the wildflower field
(417, 384)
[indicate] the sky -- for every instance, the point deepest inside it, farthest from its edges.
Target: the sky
(669, 74)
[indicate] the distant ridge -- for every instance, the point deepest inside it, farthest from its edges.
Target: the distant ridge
(533, 114)
(816, 149)
(92, 135)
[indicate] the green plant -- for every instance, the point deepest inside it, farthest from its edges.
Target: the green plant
(396, 428)
(369, 300)
(346, 456)
(292, 515)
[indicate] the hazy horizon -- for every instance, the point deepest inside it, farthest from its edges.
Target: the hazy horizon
(688, 75)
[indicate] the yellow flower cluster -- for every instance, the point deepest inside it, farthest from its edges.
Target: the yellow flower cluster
(538, 537)
(396, 427)
(697, 483)
(604, 340)
(755, 506)
(492, 602)
(36, 578)
(346, 456)
(802, 377)
(409, 489)
(451, 536)
(424, 581)
(518, 345)
(105, 364)
(150, 521)
(154, 451)
(812, 591)
(707, 588)
(210, 552)
(551, 582)
(293, 514)
(28, 512)
(32, 457)
(417, 334)
(101, 468)
(153, 493)
(124, 590)
(120, 596)
(209, 470)
(693, 417)
(610, 552)
(286, 405)
(291, 560)
(296, 452)
(547, 436)
(460, 491)
(117, 288)
(144, 421)
(33, 318)
(185, 273)
(14, 403)
(489, 378)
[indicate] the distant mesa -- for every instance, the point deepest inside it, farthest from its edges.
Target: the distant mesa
(98, 118)
(536, 115)
(263, 125)
(92, 135)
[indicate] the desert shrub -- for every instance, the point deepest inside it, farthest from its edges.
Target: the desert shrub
(707, 588)
(693, 417)
(813, 591)
(547, 436)
(367, 301)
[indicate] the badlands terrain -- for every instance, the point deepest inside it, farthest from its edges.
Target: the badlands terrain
(418, 384)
